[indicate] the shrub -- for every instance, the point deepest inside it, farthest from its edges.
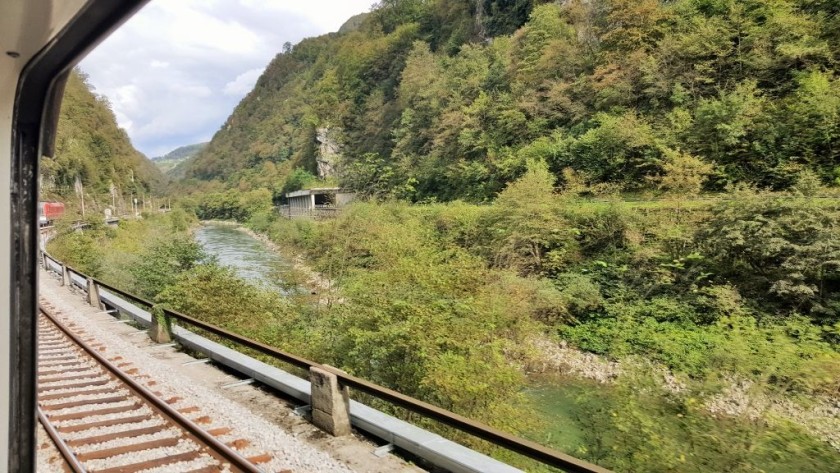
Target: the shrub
(785, 248)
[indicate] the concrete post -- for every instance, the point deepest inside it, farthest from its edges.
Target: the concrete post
(65, 276)
(93, 294)
(160, 330)
(44, 261)
(330, 403)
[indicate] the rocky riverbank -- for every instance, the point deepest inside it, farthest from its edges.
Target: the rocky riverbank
(738, 399)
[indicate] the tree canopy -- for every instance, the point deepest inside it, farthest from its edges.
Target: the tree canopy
(435, 99)
(92, 148)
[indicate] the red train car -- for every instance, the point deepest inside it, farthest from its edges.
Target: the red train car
(49, 211)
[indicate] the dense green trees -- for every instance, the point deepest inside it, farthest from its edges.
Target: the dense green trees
(449, 99)
(233, 205)
(740, 292)
(785, 248)
(92, 148)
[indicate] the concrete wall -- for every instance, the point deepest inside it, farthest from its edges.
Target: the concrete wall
(300, 206)
(344, 198)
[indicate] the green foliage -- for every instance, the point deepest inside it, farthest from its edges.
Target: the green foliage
(90, 146)
(297, 180)
(439, 300)
(784, 248)
(180, 220)
(79, 250)
(636, 427)
(159, 265)
(233, 205)
(141, 256)
(371, 177)
(530, 235)
(217, 296)
(638, 94)
(683, 174)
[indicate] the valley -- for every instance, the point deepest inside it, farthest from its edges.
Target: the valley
(607, 226)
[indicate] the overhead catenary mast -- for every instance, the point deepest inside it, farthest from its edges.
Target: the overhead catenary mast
(80, 191)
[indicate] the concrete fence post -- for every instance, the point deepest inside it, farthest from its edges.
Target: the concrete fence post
(44, 260)
(160, 331)
(93, 294)
(65, 276)
(330, 403)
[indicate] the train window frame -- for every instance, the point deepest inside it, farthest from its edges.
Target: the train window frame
(37, 102)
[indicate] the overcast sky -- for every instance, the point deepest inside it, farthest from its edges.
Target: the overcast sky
(175, 71)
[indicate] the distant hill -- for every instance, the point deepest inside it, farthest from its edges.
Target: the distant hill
(91, 146)
(169, 161)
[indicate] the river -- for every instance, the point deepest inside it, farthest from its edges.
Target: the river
(250, 258)
(554, 398)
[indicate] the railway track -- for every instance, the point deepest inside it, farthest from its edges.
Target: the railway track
(102, 420)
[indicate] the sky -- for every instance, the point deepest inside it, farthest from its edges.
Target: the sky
(175, 71)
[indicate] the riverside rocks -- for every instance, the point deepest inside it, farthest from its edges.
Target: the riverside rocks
(821, 418)
(558, 358)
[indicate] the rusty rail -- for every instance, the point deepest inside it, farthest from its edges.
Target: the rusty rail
(497, 437)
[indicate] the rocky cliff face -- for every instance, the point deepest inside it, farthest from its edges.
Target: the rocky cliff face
(329, 152)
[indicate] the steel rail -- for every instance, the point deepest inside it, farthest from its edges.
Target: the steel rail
(62, 447)
(508, 441)
(214, 447)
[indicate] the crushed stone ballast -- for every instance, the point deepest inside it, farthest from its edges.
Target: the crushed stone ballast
(101, 419)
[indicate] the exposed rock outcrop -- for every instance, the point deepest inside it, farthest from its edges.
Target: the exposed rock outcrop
(329, 152)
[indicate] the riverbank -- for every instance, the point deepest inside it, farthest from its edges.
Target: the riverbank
(738, 399)
(734, 400)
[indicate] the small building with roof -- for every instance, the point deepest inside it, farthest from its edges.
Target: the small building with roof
(322, 202)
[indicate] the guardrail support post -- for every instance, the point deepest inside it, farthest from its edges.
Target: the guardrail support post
(160, 331)
(93, 294)
(65, 275)
(330, 403)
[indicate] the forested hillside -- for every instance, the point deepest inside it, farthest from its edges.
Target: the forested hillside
(448, 99)
(90, 146)
(171, 160)
(484, 128)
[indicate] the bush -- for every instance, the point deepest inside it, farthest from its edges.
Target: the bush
(79, 250)
(784, 248)
(216, 295)
(234, 205)
(159, 265)
(299, 179)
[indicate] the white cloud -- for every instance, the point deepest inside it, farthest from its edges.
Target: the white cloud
(244, 82)
(176, 70)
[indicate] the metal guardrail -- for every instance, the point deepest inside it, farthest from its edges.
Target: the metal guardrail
(497, 437)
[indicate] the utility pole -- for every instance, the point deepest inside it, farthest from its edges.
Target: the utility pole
(80, 190)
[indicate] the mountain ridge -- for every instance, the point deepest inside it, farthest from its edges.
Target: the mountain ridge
(92, 149)
(437, 100)
(172, 159)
